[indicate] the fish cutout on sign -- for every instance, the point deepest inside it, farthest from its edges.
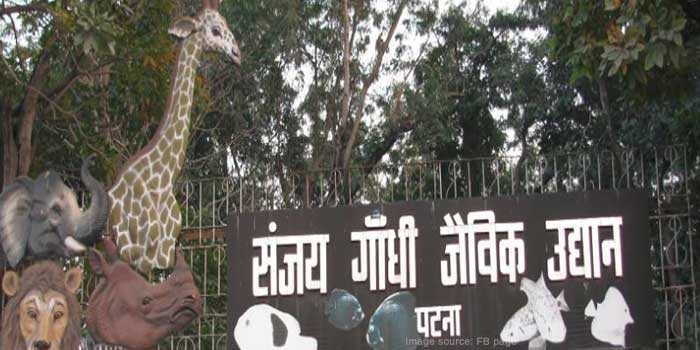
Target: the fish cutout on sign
(545, 309)
(610, 318)
(537, 343)
(343, 310)
(520, 327)
(523, 325)
(393, 324)
(262, 327)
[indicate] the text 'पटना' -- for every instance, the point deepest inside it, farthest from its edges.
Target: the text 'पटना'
(447, 317)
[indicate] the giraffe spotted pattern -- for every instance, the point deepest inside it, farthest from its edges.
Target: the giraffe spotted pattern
(145, 214)
(145, 217)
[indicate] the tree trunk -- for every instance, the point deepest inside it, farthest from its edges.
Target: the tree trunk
(605, 107)
(17, 146)
(9, 147)
(525, 149)
(29, 112)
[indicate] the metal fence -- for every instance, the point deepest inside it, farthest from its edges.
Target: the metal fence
(664, 172)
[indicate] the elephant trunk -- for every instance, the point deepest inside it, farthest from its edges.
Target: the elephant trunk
(92, 222)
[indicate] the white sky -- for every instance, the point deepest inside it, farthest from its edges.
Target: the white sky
(494, 5)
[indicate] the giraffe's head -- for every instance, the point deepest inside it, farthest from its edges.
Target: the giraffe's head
(212, 30)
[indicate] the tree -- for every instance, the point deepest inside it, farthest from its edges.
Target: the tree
(81, 82)
(458, 85)
(327, 86)
(308, 97)
(613, 49)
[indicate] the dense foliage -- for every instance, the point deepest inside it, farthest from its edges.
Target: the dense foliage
(332, 85)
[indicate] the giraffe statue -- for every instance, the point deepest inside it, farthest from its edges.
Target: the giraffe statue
(145, 217)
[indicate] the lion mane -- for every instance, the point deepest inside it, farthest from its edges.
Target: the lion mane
(44, 276)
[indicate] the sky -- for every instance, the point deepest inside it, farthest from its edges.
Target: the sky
(494, 5)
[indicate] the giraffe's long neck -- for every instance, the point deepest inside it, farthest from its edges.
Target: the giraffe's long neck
(173, 134)
(144, 214)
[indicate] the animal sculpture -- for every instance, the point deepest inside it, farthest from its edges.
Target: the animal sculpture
(262, 327)
(145, 217)
(610, 318)
(126, 310)
(41, 218)
(43, 312)
(523, 326)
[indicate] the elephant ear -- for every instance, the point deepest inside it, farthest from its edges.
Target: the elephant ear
(15, 206)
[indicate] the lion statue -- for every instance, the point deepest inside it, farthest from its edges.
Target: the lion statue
(43, 312)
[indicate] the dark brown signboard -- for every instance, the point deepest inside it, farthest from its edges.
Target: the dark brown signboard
(559, 271)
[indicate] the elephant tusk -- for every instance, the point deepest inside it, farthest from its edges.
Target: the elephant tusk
(73, 245)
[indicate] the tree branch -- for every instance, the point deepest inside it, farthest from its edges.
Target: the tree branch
(32, 88)
(346, 101)
(29, 107)
(605, 106)
(388, 139)
(341, 121)
(62, 87)
(346, 66)
(29, 112)
(9, 148)
(381, 47)
(524, 153)
(24, 8)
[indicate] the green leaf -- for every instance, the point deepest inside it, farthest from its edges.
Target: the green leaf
(660, 53)
(678, 24)
(634, 53)
(659, 60)
(568, 13)
(611, 5)
(575, 76)
(678, 39)
(674, 54)
(615, 68)
(640, 75)
(650, 58)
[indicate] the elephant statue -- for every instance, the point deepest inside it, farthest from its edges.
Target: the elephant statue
(41, 218)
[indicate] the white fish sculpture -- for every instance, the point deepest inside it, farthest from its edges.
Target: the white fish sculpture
(610, 318)
(524, 325)
(520, 327)
(537, 343)
(262, 327)
(545, 309)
